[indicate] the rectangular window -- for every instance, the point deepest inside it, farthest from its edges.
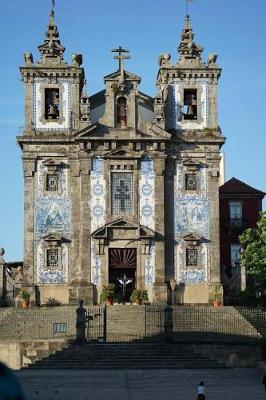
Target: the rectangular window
(52, 181)
(192, 257)
(191, 182)
(235, 255)
(122, 193)
(190, 104)
(52, 258)
(235, 213)
(51, 103)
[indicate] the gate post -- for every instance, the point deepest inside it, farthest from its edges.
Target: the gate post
(105, 323)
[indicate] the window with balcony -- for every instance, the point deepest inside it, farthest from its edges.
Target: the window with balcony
(235, 256)
(52, 182)
(52, 258)
(235, 214)
(192, 257)
(191, 181)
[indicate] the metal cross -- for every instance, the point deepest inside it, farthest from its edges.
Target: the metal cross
(121, 57)
(122, 195)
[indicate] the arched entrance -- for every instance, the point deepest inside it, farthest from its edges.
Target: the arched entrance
(122, 271)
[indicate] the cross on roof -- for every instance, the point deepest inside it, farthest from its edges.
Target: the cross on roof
(121, 57)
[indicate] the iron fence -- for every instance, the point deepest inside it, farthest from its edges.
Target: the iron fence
(135, 323)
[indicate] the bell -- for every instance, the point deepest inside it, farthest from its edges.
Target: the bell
(53, 112)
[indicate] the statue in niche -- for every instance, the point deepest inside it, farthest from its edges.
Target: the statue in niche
(122, 112)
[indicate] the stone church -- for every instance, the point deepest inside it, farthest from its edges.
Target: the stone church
(120, 184)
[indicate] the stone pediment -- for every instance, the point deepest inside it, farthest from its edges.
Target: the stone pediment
(87, 132)
(54, 238)
(99, 131)
(127, 75)
(122, 229)
(51, 163)
(191, 163)
(194, 239)
(122, 153)
(157, 132)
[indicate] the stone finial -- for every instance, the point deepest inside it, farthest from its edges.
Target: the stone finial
(189, 51)
(85, 104)
(28, 57)
(77, 60)
(51, 51)
(212, 58)
(164, 59)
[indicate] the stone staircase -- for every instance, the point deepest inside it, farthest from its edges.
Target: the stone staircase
(126, 356)
(186, 329)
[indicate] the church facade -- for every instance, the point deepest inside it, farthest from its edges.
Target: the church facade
(120, 184)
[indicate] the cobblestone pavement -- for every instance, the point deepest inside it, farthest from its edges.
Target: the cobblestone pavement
(221, 384)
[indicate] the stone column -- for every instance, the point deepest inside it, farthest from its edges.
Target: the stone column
(213, 188)
(29, 197)
(2, 271)
(159, 287)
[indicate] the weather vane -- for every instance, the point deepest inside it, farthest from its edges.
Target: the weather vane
(187, 1)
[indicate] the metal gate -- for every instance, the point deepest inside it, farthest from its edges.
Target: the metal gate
(96, 324)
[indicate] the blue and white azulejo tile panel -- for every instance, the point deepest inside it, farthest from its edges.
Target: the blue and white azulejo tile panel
(146, 194)
(39, 122)
(192, 216)
(45, 275)
(147, 211)
(52, 214)
(98, 212)
(95, 264)
(149, 267)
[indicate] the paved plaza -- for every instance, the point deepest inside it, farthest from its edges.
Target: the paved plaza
(221, 384)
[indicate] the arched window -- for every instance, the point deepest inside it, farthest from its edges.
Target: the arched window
(122, 112)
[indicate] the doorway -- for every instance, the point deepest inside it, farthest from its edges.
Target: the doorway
(122, 271)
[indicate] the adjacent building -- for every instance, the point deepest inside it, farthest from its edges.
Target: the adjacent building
(240, 207)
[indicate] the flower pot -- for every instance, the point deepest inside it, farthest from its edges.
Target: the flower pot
(24, 304)
(138, 301)
(109, 301)
(216, 303)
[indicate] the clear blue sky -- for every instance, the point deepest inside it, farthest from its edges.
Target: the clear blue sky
(234, 29)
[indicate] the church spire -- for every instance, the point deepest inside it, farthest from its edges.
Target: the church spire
(51, 50)
(188, 50)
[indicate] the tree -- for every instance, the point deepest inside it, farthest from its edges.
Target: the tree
(253, 254)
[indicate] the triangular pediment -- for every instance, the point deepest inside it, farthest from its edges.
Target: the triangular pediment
(134, 231)
(52, 163)
(54, 238)
(121, 153)
(191, 237)
(87, 132)
(127, 75)
(157, 132)
(190, 163)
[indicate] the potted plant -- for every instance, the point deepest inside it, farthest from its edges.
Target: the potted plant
(217, 294)
(139, 296)
(108, 294)
(25, 298)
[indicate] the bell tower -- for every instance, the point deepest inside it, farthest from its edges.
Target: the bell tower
(54, 95)
(186, 107)
(56, 107)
